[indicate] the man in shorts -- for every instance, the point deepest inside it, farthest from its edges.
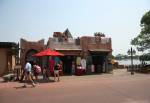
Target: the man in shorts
(28, 74)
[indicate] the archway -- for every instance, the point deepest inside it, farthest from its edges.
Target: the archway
(29, 55)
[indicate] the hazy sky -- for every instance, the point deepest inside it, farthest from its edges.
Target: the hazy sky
(37, 19)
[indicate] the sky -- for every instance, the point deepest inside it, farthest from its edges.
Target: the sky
(38, 19)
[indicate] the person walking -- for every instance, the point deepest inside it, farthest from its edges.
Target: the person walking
(36, 71)
(28, 74)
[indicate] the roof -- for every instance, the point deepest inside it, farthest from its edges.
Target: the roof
(100, 50)
(7, 44)
(67, 33)
(68, 49)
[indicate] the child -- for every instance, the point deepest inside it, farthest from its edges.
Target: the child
(56, 72)
(45, 73)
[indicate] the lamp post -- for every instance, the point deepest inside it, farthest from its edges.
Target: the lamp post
(131, 52)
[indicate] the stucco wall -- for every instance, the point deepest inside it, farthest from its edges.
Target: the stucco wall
(3, 60)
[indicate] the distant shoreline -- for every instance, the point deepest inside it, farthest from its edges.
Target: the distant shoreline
(128, 62)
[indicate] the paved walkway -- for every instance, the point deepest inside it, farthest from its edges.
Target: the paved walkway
(119, 87)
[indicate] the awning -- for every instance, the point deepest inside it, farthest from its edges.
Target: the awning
(71, 51)
(59, 49)
(100, 50)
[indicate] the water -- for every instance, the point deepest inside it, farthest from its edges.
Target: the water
(128, 62)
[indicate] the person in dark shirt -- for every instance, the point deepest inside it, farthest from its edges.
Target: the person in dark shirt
(56, 72)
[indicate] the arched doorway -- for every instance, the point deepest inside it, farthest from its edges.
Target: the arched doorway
(29, 55)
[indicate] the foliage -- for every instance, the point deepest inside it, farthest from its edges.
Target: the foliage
(99, 34)
(142, 41)
(145, 57)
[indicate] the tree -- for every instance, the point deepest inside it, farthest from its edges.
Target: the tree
(142, 41)
(99, 34)
(145, 57)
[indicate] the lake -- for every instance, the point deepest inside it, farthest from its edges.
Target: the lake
(128, 62)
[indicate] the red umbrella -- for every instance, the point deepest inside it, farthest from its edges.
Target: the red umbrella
(48, 52)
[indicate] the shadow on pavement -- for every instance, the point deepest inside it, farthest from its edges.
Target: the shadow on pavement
(37, 83)
(20, 87)
(41, 81)
(45, 81)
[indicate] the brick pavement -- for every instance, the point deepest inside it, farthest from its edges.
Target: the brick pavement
(119, 87)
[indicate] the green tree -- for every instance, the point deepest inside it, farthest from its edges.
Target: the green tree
(142, 41)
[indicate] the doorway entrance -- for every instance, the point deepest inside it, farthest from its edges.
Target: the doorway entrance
(98, 60)
(29, 56)
(67, 64)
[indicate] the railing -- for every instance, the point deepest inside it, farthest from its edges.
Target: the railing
(62, 41)
(102, 40)
(70, 44)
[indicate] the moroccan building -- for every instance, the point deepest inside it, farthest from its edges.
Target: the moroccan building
(97, 50)
(7, 57)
